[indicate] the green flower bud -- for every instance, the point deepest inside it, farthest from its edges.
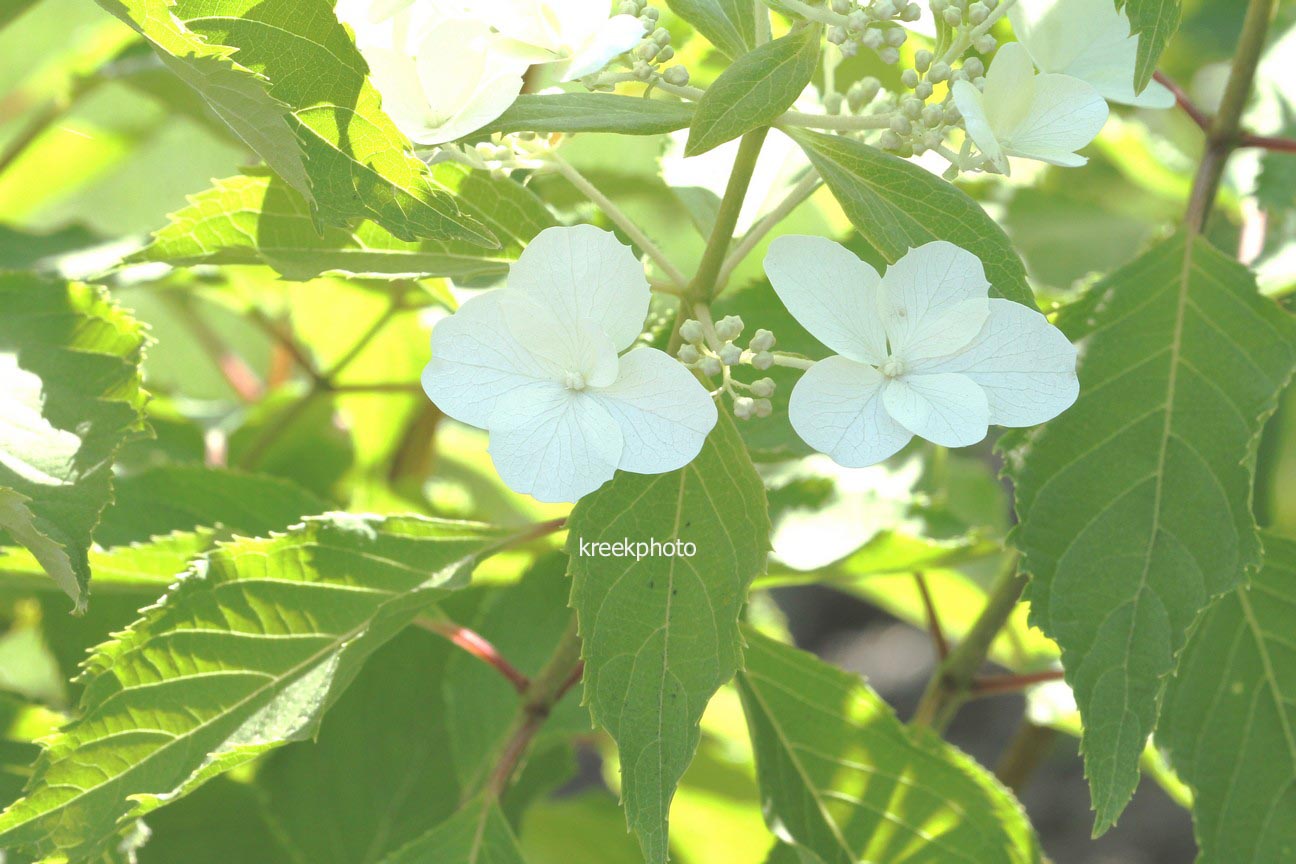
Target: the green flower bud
(763, 360)
(710, 366)
(837, 34)
(923, 59)
(923, 90)
(730, 354)
(764, 408)
(762, 340)
(889, 56)
(953, 17)
(939, 72)
(841, 7)
(985, 44)
(763, 387)
(666, 54)
(729, 327)
(688, 354)
(676, 75)
(896, 36)
(744, 407)
(909, 78)
(691, 332)
(661, 36)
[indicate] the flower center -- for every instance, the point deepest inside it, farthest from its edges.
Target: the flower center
(573, 381)
(892, 367)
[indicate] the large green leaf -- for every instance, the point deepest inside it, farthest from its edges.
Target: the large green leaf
(1155, 22)
(286, 77)
(1135, 503)
(260, 219)
(1229, 719)
(591, 112)
(729, 25)
(660, 634)
(842, 778)
(69, 397)
(247, 651)
(478, 834)
(754, 90)
(897, 205)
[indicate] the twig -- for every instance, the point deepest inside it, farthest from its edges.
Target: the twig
(478, 646)
(990, 685)
(619, 218)
(933, 620)
(706, 284)
(1184, 101)
(1028, 748)
(284, 339)
(1268, 142)
(233, 368)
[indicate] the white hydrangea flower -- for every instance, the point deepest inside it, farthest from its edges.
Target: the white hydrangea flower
(536, 364)
(441, 75)
(578, 33)
(1045, 117)
(1089, 40)
(920, 351)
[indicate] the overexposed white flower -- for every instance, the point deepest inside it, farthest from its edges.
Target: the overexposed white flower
(921, 351)
(577, 33)
(441, 75)
(536, 364)
(1046, 117)
(1089, 40)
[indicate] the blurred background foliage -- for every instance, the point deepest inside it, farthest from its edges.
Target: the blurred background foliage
(98, 144)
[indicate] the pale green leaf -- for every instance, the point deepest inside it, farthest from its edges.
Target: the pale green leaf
(1229, 719)
(69, 397)
(308, 110)
(1135, 503)
(259, 219)
(1155, 22)
(478, 834)
(245, 653)
(754, 90)
(897, 206)
(729, 25)
(591, 112)
(842, 778)
(660, 635)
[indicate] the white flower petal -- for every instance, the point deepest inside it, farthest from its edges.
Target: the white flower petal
(559, 345)
(836, 408)
(1025, 365)
(585, 272)
(617, 35)
(933, 300)
(947, 409)
(830, 292)
(971, 104)
(663, 411)
(476, 360)
(466, 84)
(1065, 115)
(553, 444)
(1010, 87)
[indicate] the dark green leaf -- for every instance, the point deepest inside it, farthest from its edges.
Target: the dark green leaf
(323, 131)
(897, 206)
(843, 779)
(591, 112)
(477, 834)
(69, 397)
(1155, 23)
(729, 25)
(660, 634)
(754, 90)
(245, 653)
(1229, 719)
(259, 219)
(1135, 503)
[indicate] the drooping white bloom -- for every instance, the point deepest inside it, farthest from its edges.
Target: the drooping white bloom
(441, 75)
(576, 32)
(1046, 117)
(920, 351)
(1089, 40)
(536, 364)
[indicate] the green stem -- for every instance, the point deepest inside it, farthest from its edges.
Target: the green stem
(799, 193)
(1224, 134)
(1027, 750)
(951, 686)
(704, 286)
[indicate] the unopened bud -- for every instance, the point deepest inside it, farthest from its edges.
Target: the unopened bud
(691, 331)
(763, 388)
(689, 354)
(666, 54)
(923, 90)
(764, 408)
(744, 407)
(833, 103)
(985, 44)
(901, 125)
(762, 340)
(932, 115)
(953, 17)
(911, 13)
(896, 36)
(909, 78)
(974, 67)
(677, 75)
(729, 327)
(889, 56)
(923, 59)
(646, 50)
(642, 70)
(837, 34)
(710, 366)
(763, 360)
(889, 140)
(842, 7)
(856, 21)
(730, 354)
(939, 72)
(650, 13)
(978, 12)
(661, 36)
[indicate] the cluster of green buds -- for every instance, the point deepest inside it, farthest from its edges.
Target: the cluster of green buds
(715, 352)
(871, 24)
(965, 15)
(919, 123)
(504, 154)
(649, 58)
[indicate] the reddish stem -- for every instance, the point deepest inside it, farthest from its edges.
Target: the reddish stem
(1184, 101)
(933, 621)
(478, 646)
(989, 685)
(1266, 142)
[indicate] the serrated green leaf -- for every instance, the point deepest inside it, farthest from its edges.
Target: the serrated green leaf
(477, 834)
(1229, 718)
(591, 112)
(660, 635)
(70, 396)
(754, 90)
(246, 652)
(1135, 503)
(259, 219)
(841, 777)
(729, 25)
(1155, 22)
(309, 112)
(897, 206)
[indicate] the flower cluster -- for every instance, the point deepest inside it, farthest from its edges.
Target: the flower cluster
(871, 25)
(714, 351)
